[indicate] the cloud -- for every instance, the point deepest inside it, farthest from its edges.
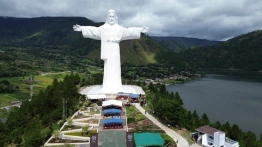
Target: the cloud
(207, 19)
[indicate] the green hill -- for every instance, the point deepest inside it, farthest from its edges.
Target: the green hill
(180, 43)
(49, 44)
(56, 35)
(136, 52)
(242, 52)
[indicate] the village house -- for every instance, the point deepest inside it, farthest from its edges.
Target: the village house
(212, 137)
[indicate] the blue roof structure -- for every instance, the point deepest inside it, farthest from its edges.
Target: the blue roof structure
(113, 121)
(136, 96)
(112, 112)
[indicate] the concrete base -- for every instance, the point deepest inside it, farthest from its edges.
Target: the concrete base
(97, 89)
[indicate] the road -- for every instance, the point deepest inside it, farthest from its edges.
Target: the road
(182, 142)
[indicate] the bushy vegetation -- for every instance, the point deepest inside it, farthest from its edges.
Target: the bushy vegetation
(6, 87)
(32, 123)
(242, 52)
(153, 71)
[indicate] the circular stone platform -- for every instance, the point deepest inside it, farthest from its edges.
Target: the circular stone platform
(97, 90)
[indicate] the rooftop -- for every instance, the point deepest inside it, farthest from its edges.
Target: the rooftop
(230, 141)
(208, 130)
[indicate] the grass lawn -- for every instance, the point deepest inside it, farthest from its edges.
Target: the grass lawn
(146, 108)
(72, 127)
(150, 57)
(5, 98)
(67, 145)
(167, 139)
(186, 134)
(80, 133)
(133, 114)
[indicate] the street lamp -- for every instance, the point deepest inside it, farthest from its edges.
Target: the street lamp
(64, 108)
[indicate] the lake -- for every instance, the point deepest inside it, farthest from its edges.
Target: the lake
(236, 99)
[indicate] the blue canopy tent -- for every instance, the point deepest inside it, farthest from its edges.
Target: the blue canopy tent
(134, 96)
(113, 121)
(112, 112)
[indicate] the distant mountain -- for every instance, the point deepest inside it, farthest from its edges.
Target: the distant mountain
(180, 43)
(55, 35)
(241, 52)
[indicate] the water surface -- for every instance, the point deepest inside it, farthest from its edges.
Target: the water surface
(236, 99)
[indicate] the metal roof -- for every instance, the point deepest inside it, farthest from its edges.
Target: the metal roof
(208, 130)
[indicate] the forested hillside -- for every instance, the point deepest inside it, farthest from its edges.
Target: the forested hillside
(242, 52)
(180, 43)
(33, 123)
(55, 35)
(50, 44)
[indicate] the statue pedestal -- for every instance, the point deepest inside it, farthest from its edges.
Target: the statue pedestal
(98, 90)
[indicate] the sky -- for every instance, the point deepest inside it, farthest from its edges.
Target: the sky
(203, 19)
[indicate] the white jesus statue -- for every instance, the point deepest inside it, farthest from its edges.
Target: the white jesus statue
(110, 35)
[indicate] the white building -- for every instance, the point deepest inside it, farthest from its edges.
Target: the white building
(148, 81)
(212, 137)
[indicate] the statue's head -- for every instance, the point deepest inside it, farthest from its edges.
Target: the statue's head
(111, 17)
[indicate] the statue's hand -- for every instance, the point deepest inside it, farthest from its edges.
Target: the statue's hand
(145, 29)
(77, 28)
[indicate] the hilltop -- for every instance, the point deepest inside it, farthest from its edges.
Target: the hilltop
(50, 44)
(180, 43)
(55, 35)
(241, 52)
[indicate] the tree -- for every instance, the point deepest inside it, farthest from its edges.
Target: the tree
(250, 139)
(235, 133)
(204, 119)
(32, 134)
(196, 119)
(216, 125)
(2, 133)
(189, 121)
(162, 90)
(226, 127)
(178, 98)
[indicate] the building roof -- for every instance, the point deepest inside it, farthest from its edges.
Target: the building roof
(7, 108)
(134, 95)
(230, 141)
(112, 112)
(208, 130)
(112, 103)
(113, 121)
(148, 139)
(96, 96)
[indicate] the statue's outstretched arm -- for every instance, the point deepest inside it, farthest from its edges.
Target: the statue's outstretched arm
(77, 28)
(145, 29)
(134, 32)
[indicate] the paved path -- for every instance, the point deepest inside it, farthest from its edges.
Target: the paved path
(181, 141)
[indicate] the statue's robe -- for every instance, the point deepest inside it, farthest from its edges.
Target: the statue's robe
(110, 36)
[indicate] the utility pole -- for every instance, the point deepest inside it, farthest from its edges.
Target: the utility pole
(31, 88)
(64, 108)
